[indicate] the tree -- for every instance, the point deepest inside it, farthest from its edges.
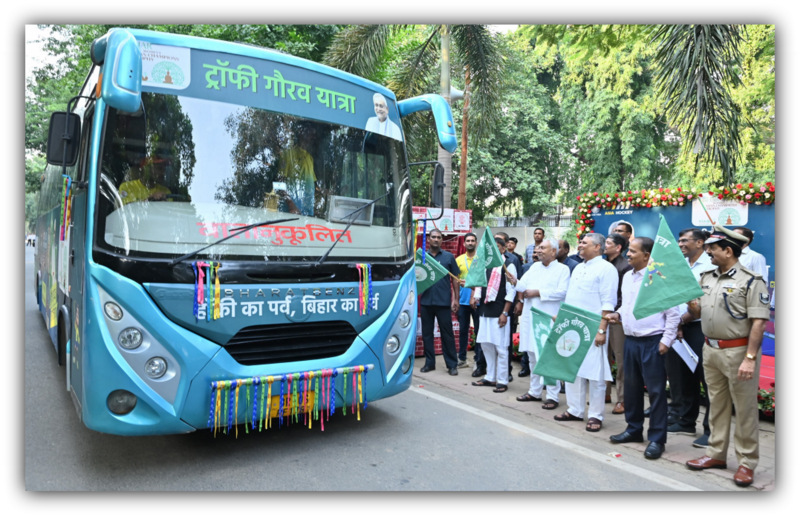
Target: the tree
(520, 168)
(698, 66)
(362, 50)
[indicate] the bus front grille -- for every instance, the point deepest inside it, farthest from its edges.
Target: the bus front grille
(270, 344)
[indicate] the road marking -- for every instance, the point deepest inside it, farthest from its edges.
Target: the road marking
(583, 451)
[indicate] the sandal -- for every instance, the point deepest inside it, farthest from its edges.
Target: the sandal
(566, 416)
(550, 404)
(501, 388)
(528, 398)
(593, 425)
(484, 382)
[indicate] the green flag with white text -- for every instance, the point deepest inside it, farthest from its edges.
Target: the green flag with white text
(487, 256)
(570, 337)
(428, 273)
(668, 280)
(542, 323)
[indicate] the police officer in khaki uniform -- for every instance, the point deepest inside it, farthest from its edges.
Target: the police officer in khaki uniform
(735, 308)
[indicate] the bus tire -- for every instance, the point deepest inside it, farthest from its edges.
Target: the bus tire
(37, 288)
(62, 333)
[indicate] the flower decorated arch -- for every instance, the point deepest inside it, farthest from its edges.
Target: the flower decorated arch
(744, 193)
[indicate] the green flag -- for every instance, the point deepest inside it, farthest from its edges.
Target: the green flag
(487, 256)
(668, 281)
(542, 324)
(570, 337)
(428, 273)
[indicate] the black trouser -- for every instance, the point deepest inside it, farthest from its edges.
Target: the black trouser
(443, 316)
(465, 313)
(644, 366)
(684, 385)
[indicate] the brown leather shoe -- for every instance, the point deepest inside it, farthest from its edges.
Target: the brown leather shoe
(706, 463)
(618, 409)
(743, 476)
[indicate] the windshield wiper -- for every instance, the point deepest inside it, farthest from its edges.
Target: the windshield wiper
(237, 231)
(353, 213)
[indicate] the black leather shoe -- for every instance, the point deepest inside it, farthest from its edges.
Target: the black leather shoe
(654, 451)
(426, 368)
(524, 373)
(480, 372)
(453, 371)
(510, 377)
(625, 437)
(647, 413)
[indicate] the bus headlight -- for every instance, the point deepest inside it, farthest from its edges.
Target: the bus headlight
(155, 367)
(404, 319)
(130, 338)
(121, 402)
(113, 311)
(392, 345)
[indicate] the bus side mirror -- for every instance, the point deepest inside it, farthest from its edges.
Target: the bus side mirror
(437, 199)
(63, 138)
(442, 115)
(121, 82)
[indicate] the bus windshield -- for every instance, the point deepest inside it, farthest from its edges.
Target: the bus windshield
(183, 173)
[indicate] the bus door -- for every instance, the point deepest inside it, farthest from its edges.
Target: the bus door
(76, 261)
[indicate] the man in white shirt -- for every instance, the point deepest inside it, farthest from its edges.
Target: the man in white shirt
(752, 260)
(381, 123)
(544, 286)
(493, 334)
(647, 340)
(684, 384)
(593, 287)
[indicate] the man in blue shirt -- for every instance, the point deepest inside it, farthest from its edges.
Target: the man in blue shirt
(438, 302)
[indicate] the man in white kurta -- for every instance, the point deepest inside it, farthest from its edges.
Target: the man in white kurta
(493, 332)
(593, 287)
(543, 286)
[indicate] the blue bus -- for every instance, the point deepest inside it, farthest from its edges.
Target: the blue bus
(226, 238)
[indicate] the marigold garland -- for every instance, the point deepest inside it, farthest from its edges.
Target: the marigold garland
(744, 193)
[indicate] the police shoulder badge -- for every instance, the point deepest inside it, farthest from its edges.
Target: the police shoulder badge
(764, 298)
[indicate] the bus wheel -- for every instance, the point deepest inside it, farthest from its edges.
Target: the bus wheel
(37, 289)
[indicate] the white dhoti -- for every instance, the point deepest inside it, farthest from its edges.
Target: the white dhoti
(494, 344)
(537, 383)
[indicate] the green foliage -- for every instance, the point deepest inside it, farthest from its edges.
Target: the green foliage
(518, 169)
(698, 65)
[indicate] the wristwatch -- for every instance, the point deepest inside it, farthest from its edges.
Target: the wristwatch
(505, 314)
(751, 356)
(601, 331)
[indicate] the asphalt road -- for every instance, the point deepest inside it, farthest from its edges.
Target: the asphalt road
(429, 439)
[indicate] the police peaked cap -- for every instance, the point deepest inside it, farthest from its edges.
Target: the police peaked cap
(730, 237)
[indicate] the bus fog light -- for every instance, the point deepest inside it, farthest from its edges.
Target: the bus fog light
(121, 402)
(113, 311)
(404, 319)
(155, 367)
(130, 338)
(392, 345)
(411, 298)
(406, 365)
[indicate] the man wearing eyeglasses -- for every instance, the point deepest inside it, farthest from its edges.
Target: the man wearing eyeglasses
(684, 385)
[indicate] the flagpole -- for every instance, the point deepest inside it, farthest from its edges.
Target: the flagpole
(700, 198)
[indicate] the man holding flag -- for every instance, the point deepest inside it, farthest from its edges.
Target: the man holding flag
(438, 302)
(592, 287)
(495, 303)
(646, 341)
(544, 287)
